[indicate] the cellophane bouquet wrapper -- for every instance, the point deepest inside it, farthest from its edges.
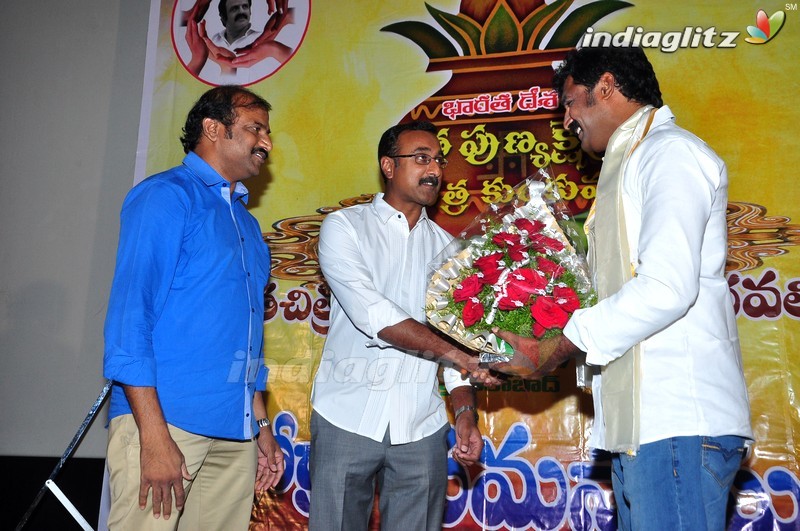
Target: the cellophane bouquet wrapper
(519, 266)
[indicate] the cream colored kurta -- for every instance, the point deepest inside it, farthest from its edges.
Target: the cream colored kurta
(677, 307)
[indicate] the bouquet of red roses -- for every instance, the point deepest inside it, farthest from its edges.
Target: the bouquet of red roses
(515, 267)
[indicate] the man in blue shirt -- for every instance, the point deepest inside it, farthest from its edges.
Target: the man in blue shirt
(184, 332)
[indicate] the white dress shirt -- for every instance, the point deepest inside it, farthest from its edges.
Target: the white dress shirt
(678, 305)
(378, 273)
(248, 37)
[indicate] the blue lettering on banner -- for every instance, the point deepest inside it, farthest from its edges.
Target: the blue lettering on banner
(511, 492)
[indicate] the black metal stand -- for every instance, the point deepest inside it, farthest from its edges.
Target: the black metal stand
(50, 483)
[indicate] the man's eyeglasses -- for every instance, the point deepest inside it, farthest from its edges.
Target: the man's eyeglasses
(424, 159)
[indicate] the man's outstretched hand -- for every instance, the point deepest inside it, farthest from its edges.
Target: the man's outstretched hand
(534, 358)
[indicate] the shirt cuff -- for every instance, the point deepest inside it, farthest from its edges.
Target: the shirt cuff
(580, 337)
(453, 379)
(382, 315)
(129, 370)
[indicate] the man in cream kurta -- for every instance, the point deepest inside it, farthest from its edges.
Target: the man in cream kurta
(670, 400)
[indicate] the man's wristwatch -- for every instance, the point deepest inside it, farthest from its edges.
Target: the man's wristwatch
(262, 423)
(462, 409)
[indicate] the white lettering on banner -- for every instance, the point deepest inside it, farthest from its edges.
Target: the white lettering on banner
(666, 41)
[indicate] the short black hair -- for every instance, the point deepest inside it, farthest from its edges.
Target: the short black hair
(223, 10)
(634, 74)
(388, 147)
(219, 104)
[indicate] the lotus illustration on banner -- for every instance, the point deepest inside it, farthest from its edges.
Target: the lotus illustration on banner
(498, 115)
(490, 27)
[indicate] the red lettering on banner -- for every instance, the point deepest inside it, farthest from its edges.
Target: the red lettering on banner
(502, 103)
(760, 298)
(270, 303)
(733, 280)
(482, 104)
(530, 100)
(791, 302)
(766, 301)
(299, 304)
(535, 98)
(322, 310)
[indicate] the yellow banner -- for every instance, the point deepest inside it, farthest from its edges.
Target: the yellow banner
(339, 73)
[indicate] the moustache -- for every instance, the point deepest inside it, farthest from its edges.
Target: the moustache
(261, 150)
(241, 16)
(429, 180)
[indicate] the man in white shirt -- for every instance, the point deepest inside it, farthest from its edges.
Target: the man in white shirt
(378, 417)
(235, 16)
(670, 400)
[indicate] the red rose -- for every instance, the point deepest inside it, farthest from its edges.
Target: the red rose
(528, 279)
(490, 268)
(566, 298)
(537, 243)
(521, 284)
(548, 314)
(472, 311)
(504, 239)
(552, 244)
(512, 243)
(543, 244)
(515, 297)
(549, 267)
(490, 277)
(538, 330)
(488, 262)
(531, 227)
(517, 252)
(469, 287)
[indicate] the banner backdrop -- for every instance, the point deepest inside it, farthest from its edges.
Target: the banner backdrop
(339, 73)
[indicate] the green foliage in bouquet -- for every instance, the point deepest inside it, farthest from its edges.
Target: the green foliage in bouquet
(518, 266)
(519, 319)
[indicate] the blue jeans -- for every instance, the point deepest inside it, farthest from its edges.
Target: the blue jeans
(681, 483)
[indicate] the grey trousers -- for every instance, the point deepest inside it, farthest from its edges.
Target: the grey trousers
(345, 469)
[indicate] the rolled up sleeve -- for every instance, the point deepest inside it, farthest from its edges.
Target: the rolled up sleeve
(351, 282)
(151, 231)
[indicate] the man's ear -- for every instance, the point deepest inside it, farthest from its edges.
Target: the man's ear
(212, 129)
(607, 85)
(387, 166)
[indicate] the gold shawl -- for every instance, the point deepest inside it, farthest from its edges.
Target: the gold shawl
(611, 267)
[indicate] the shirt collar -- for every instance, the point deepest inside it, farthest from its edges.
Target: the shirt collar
(211, 177)
(663, 115)
(384, 211)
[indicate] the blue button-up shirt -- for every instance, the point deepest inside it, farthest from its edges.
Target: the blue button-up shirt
(186, 312)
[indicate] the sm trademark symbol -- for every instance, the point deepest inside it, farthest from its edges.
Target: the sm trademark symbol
(790, 7)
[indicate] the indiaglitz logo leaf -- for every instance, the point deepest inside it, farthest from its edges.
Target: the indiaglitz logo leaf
(766, 28)
(508, 27)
